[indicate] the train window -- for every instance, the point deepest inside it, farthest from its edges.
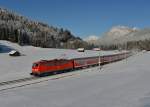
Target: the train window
(35, 65)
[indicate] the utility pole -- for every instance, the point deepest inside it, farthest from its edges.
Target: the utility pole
(126, 51)
(99, 59)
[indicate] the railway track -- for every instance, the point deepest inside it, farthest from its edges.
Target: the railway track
(27, 79)
(17, 81)
(7, 85)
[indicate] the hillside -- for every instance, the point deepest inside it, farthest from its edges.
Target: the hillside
(124, 37)
(17, 28)
(116, 34)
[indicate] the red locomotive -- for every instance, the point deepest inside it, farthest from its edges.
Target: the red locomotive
(45, 67)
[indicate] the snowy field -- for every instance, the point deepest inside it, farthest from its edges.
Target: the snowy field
(120, 84)
(19, 67)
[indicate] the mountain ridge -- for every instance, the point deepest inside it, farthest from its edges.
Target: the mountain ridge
(123, 37)
(121, 34)
(17, 28)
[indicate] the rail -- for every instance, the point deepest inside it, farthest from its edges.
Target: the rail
(17, 81)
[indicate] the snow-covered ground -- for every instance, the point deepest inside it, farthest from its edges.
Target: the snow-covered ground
(121, 84)
(19, 67)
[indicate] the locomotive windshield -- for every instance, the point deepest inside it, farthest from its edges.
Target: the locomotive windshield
(35, 65)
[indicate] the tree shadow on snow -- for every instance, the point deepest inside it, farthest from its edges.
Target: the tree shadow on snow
(5, 49)
(145, 101)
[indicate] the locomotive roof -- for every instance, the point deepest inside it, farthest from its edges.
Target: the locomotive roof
(53, 60)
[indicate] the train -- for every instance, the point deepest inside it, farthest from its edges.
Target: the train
(46, 67)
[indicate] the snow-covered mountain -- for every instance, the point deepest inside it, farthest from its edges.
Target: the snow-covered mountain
(92, 39)
(136, 36)
(116, 34)
(119, 36)
(119, 31)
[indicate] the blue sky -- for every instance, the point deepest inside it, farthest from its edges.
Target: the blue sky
(84, 17)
